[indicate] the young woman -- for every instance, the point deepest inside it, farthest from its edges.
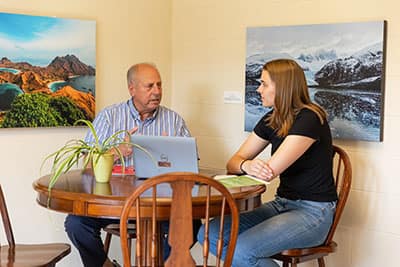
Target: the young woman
(301, 155)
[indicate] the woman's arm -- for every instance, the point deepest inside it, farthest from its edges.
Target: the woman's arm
(251, 147)
(288, 152)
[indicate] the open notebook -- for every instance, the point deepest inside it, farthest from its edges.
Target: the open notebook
(170, 154)
(239, 180)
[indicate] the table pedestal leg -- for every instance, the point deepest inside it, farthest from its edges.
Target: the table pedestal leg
(180, 235)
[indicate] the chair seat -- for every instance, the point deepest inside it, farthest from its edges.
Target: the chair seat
(114, 229)
(305, 254)
(33, 255)
(331, 247)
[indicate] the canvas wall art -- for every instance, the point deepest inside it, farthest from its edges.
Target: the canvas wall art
(344, 68)
(47, 70)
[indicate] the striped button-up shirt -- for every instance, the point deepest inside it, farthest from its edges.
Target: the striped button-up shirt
(124, 116)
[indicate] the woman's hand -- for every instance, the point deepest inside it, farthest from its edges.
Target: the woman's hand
(259, 169)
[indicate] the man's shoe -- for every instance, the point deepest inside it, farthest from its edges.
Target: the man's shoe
(116, 264)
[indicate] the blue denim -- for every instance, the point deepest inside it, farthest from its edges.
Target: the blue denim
(84, 233)
(275, 226)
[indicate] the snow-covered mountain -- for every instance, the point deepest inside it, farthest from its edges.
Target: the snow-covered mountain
(324, 68)
(315, 61)
(363, 66)
(309, 62)
(320, 55)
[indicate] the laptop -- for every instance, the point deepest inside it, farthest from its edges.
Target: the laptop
(170, 154)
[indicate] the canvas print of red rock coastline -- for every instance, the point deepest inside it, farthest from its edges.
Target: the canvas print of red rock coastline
(47, 71)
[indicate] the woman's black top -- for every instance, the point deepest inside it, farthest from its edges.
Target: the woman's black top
(309, 177)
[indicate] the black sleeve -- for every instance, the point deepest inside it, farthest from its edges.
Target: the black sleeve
(307, 123)
(262, 130)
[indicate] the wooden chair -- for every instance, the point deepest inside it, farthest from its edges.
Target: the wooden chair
(342, 175)
(113, 229)
(181, 216)
(37, 255)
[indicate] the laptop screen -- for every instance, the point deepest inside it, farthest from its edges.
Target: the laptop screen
(170, 154)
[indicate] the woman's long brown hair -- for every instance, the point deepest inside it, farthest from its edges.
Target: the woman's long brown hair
(291, 95)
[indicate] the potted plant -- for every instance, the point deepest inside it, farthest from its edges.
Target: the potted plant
(97, 154)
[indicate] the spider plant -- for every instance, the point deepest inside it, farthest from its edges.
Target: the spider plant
(76, 149)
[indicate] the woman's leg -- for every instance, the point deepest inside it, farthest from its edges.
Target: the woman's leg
(247, 220)
(298, 224)
(84, 233)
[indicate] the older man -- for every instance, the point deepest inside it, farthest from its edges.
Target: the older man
(141, 114)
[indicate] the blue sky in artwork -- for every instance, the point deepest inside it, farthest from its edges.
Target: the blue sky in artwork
(39, 39)
(24, 28)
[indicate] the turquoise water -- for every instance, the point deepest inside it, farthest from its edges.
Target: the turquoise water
(8, 92)
(14, 71)
(85, 83)
(4, 87)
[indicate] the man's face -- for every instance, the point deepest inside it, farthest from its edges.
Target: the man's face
(146, 89)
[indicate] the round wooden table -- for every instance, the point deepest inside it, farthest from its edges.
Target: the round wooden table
(77, 193)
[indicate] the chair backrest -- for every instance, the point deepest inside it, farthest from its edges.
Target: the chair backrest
(342, 174)
(17, 255)
(6, 220)
(181, 215)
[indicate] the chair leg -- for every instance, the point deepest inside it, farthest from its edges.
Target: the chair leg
(107, 242)
(130, 247)
(321, 262)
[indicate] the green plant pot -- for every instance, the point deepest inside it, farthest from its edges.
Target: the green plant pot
(102, 189)
(102, 167)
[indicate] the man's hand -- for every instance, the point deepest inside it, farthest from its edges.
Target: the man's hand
(126, 149)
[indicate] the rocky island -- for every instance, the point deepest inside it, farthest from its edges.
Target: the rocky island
(19, 79)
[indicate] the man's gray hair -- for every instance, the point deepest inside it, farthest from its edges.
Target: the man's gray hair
(130, 75)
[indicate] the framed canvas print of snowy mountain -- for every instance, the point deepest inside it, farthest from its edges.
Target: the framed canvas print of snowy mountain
(344, 64)
(47, 70)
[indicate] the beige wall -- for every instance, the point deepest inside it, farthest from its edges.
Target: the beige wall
(208, 57)
(199, 47)
(128, 31)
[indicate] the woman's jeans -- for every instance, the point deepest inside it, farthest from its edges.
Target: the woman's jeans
(275, 226)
